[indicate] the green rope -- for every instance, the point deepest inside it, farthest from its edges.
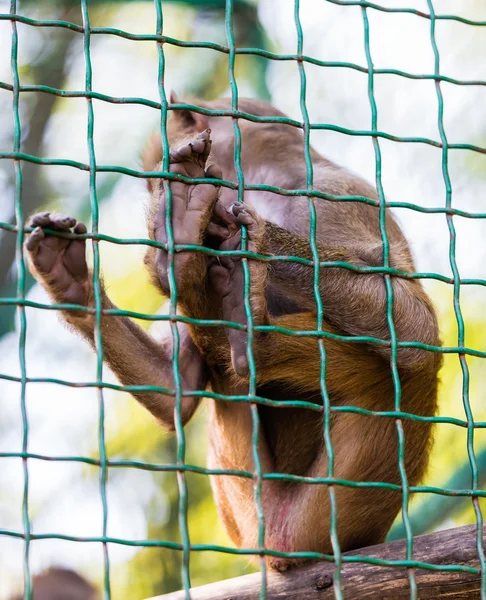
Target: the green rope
(389, 311)
(319, 310)
(20, 262)
(180, 435)
(109, 30)
(444, 494)
(247, 551)
(258, 479)
(457, 307)
(97, 293)
(270, 328)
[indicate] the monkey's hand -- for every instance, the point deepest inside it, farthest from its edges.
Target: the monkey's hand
(59, 264)
(192, 208)
(227, 279)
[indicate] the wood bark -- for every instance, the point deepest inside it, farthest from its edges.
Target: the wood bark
(360, 580)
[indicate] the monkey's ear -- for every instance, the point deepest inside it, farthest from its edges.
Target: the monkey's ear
(188, 119)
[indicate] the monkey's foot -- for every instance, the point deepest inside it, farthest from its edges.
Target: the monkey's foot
(196, 151)
(192, 208)
(59, 264)
(227, 278)
(283, 565)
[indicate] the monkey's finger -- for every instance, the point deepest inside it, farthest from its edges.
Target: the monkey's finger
(34, 238)
(214, 172)
(180, 154)
(220, 211)
(239, 360)
(60, 222)
(237, 207)
(198, 146)
(234, 310)
(75, 255)
(205, 135)
(74, 259)
(246, 215)
(80, 228)
(244, 218)
(201, 150)
(242, 214)
(217, 230)
(202, 145)
(39, 220)
(232, 243)
(203, 197)
(196, 151)
(228, 262)
(180, 201)
(219, 277)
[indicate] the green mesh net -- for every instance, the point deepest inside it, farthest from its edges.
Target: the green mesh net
(180, 467)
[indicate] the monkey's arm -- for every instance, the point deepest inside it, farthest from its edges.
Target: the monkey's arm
(356, 302)
(135, 358)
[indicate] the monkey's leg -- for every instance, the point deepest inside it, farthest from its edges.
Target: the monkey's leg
(227, 279)
(356, 303)
(192, 208)
(137, 359)
(297, 515)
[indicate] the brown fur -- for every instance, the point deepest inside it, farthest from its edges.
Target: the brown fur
(287, 366)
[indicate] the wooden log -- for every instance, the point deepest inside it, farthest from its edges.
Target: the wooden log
(360, 580)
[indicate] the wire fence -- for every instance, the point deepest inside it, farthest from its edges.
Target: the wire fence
(180, 467)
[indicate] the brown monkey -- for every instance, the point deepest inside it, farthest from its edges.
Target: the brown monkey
(291, 439)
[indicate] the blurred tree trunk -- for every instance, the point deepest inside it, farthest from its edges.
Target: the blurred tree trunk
(50, 71)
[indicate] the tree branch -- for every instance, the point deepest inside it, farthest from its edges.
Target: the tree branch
(360, 580)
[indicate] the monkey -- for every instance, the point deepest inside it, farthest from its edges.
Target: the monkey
(58, 583)
(282, 297)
